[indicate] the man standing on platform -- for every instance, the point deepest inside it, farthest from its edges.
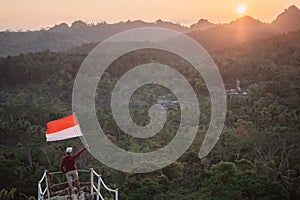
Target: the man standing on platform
(68, 166)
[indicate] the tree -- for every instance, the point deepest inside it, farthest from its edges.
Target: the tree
(238, 180)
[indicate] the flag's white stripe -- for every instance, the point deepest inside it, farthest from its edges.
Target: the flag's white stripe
(71, 132)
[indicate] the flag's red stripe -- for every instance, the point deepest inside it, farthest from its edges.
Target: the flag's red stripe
(61, 124)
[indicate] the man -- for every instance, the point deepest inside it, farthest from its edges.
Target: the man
(68, 166)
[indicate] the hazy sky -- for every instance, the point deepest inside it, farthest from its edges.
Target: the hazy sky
(35, 14)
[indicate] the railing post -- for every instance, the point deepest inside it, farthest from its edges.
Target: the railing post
(117, 195)
(92, 180)
(39, 191)
(98, 192)
(47, 184)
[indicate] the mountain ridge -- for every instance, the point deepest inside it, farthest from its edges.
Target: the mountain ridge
(62, 37)
(283, 21)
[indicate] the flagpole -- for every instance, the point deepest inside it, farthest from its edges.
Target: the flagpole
(82, 136)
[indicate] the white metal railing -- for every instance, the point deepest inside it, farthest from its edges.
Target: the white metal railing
(99, 183)
(42, 192)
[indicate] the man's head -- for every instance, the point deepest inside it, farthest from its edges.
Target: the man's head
(69, 150)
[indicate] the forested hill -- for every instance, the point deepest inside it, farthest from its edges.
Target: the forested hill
(257, 157)
(62, 37)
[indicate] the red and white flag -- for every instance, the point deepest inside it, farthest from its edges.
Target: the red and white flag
(63, 128)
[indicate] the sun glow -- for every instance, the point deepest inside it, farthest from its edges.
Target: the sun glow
(241, 9)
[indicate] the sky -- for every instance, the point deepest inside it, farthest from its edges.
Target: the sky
(37, 14)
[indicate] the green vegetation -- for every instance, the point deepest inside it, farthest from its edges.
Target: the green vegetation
(257, 156)
(7, 195)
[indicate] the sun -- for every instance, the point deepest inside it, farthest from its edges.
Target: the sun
(241, 9)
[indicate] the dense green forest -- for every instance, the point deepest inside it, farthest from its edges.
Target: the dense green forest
(257, 156)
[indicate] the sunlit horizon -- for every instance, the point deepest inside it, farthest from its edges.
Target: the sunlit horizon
(35, 14)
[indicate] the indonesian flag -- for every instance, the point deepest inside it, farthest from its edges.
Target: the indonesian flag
(63, 128)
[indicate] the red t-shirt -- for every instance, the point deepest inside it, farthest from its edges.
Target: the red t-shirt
(68, 162)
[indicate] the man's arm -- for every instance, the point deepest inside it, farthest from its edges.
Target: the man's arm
(79, 153)
(62, 165)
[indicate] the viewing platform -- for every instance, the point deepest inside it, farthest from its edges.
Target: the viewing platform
(93, 189)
